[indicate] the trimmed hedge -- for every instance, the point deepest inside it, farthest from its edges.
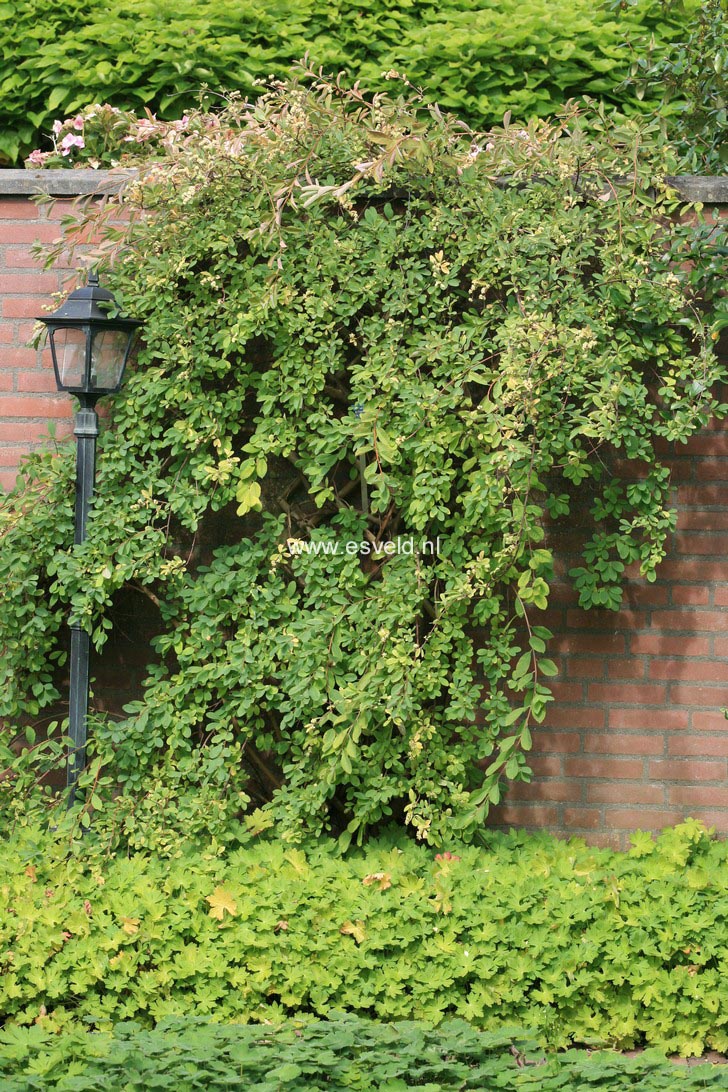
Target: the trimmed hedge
(578, 944)
(479, 59)
(345, 1053)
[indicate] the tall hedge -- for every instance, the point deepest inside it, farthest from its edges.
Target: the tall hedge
(480, 59)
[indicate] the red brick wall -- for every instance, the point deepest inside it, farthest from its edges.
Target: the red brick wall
(28, 396)
(636, 737)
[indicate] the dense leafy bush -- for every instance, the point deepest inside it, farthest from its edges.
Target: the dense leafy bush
(381, 352)
(480, 59)
(343, 1053)
(577, 944)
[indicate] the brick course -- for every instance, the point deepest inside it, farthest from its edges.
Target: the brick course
(29, 399)
(636, 737)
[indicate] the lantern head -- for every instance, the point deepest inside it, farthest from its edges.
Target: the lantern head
(89, 348)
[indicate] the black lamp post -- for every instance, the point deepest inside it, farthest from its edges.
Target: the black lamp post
(90, 350)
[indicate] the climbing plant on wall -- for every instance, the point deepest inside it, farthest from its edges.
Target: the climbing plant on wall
(382, 353)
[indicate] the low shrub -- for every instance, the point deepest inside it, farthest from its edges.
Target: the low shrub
(344, 1053)
(480, 59)
(578, 944)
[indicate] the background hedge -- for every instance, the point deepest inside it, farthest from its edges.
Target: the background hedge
(478, 58)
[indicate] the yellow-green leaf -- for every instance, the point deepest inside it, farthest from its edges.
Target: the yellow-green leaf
(221, 902)
(354, 929)
(248, 497)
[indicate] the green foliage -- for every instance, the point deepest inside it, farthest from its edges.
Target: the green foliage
(480, 59)
(579, 945)
(692, 77)
(96, 137)
(345, 1052)
(381, 354)
(36, 541)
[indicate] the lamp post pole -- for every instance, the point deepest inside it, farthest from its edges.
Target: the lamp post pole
(86, 430)
(90, 346)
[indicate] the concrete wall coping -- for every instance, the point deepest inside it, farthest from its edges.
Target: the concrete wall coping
(61, 183)
(74, 183)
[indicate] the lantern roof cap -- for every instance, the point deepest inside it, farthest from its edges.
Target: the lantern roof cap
(88, 304)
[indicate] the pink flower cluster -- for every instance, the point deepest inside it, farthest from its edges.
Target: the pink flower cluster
(38, 158)
(102, 132)
(69, 141)
(150, 127)
(77, 123)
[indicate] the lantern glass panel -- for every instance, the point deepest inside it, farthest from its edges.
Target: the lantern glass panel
(69, 346)
(108, 356)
